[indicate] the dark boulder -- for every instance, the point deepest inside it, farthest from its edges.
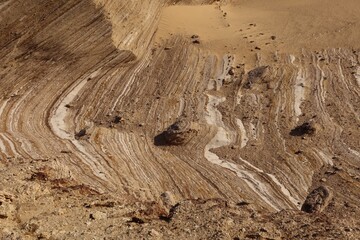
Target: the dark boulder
(81, 134)
(179, 133)
(257, 74)
(317, 200)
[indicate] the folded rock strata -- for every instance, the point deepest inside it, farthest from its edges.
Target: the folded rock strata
(71, 65)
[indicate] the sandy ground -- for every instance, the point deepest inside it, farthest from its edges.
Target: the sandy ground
(240, 26)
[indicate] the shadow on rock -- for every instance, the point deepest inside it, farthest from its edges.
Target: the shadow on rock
(160, 140)
(308, 128)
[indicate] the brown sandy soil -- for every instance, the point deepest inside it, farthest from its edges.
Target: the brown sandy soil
(187, 119)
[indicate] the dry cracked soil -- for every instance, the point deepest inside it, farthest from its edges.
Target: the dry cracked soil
(180, 119)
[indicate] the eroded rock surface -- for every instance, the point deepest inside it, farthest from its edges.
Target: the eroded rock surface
(85, 86)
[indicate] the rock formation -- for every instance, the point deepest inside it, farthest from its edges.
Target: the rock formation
(179, 133)
(107, 104)
(317, 200)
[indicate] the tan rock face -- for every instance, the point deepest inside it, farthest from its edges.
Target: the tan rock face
(234, 109)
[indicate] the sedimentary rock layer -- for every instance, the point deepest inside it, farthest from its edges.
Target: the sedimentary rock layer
(88, 91)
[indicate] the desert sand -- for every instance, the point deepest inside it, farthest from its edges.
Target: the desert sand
(186, 119)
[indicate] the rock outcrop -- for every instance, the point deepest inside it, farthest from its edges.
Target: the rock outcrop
(180, 132)
(317, 200)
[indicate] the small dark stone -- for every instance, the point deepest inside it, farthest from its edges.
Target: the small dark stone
(65, 151)
(117, 119)
(330, 172)
(273, 37)
(87, 205)
(80, 134)
(231, 71)
(242, 203)
(106, 204)
(40, 176)
(136, 220)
